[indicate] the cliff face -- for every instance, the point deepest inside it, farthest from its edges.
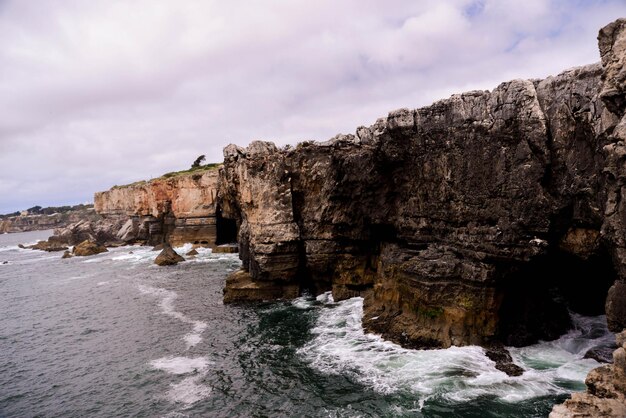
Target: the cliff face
(458, 221)
(178, 209)
(24, 223)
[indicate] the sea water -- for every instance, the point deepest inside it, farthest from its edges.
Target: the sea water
(115, 335)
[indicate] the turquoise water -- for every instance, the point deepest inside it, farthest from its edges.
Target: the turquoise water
(116, 335)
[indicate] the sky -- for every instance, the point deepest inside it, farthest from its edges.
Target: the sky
(98, 93)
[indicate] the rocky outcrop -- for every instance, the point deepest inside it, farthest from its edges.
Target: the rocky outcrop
(606, 390)
(457, 222)
(87, 248)
(50, 246)
(104, 231)
(177, 209)
(168, 257)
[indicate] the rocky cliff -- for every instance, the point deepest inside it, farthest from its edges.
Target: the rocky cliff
(481, 218)
(38, 222)
(179, 208)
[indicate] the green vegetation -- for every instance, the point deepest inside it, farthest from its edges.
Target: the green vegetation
(197, 169)
(38, 210)
(137, 183)
(431, 312)
(198, 161)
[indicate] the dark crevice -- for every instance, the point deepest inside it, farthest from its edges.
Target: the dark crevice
(226, 229)
(538, 296)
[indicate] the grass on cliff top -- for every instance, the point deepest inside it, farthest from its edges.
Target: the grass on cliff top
(199, 169)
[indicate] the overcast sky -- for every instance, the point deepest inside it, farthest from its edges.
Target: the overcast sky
(97, 93)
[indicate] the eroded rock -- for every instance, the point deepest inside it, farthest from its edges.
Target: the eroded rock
(168, 257)
(87, 248)
(435, 215)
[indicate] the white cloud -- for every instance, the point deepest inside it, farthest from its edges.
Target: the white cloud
(98, 93)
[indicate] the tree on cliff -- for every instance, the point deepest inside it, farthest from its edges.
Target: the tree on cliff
(198, 161)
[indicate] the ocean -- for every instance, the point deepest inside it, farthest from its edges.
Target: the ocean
(114, 335)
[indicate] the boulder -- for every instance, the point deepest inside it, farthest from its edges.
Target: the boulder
(168, 257)
(87, 248)
(192, 252)
(67, 254)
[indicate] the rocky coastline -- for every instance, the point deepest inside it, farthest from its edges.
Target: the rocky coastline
(482, 219)
(37, 222)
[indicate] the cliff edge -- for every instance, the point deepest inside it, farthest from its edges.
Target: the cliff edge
(482, 218)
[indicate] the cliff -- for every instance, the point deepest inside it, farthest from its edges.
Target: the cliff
(458, 222)
(37, 222)
(178, 208)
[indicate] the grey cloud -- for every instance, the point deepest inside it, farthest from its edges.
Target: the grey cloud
(100, 93)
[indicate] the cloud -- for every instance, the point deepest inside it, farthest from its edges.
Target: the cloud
(100, 93)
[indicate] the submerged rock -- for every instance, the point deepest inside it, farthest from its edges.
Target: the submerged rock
(168, 257)
(504, 362)
(192, 252)
(87, 248)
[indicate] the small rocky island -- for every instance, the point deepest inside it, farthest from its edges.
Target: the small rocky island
(478, 220)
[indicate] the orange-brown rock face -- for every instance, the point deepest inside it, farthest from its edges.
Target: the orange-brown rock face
(184, 196)
(178, 209)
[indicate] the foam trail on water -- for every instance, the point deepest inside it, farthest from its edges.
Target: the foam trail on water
(168, 297)
(340, 346)
(189, 390)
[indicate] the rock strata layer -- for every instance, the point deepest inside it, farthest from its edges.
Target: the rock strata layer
(459, 222)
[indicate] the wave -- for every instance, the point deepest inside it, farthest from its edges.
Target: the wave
(340, 346)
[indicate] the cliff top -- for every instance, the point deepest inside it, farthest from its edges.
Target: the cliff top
(172, 174)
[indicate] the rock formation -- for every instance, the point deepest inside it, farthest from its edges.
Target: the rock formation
(176, 209)
(87, 248)
(458, 222)
(606, 390)
(168, 257)
(37, 222)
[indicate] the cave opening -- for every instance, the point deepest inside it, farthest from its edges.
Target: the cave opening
(537, 297)
(225, 229)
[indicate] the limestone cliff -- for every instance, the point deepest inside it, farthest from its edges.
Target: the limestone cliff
(179, 208)
(38, 222)
(458, 222)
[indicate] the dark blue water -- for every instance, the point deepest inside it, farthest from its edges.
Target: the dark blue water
(115, 335)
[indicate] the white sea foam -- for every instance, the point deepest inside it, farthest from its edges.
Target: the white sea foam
(181, 365)
(340, 346)
(168, 297)
(189, 390)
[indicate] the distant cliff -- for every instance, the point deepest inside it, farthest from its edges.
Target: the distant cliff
(465, 222)
(179, 208)
(51, 220)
